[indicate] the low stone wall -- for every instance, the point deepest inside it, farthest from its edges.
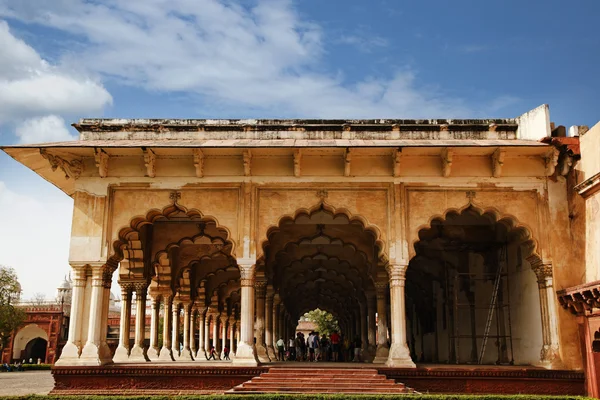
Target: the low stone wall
(489, 380)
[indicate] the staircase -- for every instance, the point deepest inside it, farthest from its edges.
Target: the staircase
(321, 380)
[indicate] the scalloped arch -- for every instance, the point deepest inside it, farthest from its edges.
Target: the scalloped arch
(324, 206)
(137, 222)
(509, 221)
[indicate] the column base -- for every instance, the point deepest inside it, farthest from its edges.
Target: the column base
(369, 354)
(186, 355)
(550, 358)
(69, 355)
(165, 354)
(138, 354)
(121, 354)
(175, 353)
(245, 356)
(399, 357)
(92, 354)
(381, 355)
(271, 352)
(262, 354)
(153, 353)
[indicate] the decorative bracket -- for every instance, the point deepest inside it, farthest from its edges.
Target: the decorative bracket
(550, 161)
(446, 155)
(397, 159)
(347, 159)
(150, 162)
(101, 158)
(498, 162)
(247, 156)
(199, 162)
(322, 194)
(72, 169)
(297, 162)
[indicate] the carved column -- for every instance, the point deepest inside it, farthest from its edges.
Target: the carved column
(201, 333)
(231, 336)
(122, 352)
(215, 332)
(371, 310)
(207, 343)
(154, 351)
(175, 331)
(166, 353)
(92, 353)
(224, 320)
(193, 346)
(186, 353)
(269, 323)
(261, 347)
(383, 350)
(106, 352)
(245, 353)
(549, 355)
(276, 328)
(364, 330)
(399, 354)
(237, 335)
(138, 351)
(70, 353)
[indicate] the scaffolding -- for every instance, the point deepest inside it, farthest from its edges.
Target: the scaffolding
(498, 310)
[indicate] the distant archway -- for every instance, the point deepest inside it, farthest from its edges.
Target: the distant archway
(24, 337)
(36, 349)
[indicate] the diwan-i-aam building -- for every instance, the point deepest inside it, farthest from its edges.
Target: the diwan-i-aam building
(434, 241)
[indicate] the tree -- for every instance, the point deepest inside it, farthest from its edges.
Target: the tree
(325, 321)
(10, 293)
(38, 299)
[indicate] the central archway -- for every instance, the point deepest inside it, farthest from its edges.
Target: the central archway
(321, 259)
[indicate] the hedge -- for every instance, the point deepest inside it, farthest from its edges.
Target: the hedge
(304, 397)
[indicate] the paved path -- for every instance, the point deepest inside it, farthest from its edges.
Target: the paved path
(26, 382)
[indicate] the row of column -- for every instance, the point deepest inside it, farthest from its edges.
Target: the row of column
(86, 344)
(173, 329)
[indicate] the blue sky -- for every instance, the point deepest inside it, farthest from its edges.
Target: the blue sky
(61, 60)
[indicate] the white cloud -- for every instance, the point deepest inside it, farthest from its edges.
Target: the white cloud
(50, 128)
(364, 42)
(266, 58)
(34, 234)
(30, 86)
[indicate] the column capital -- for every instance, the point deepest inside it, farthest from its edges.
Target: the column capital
(247, 271)
(141, 287)
(270, 293)
(276, 299)
(543, 272)
(397, 274)
(223, 319)
(261, 288)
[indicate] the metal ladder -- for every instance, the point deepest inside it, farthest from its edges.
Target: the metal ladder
(488, 324)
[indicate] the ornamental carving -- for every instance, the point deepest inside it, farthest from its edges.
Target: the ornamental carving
(72, 169)
(101, 159)
(397, 274)
(150, 163)
(199, 162)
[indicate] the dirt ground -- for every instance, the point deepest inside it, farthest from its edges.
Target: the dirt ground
(27, 382)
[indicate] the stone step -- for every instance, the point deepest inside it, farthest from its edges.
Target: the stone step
(339, 371)
(324, 374)
(330, 390)
(361, 381)
(315, 385)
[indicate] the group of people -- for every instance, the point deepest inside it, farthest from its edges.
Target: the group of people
(333, 347)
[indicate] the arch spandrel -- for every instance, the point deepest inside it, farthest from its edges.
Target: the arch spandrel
(368, 205)
(426, 206)
(132, 205)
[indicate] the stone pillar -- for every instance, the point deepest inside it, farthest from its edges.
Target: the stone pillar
(383, 350)
(175, 331)
(166, 352)
(549, 355)
(207, 342)
(193, 345)
(269, 323)
(201, 334)
(72, 349)
(122, 352)
(186, 353)
(371, 324)
(399, 354)
(138, 351)
(245, 353)
(231, 336)
(261, 346)
(276, 328)
(92, 353)
(215, 340)
(223, 320)
(237, 336)
(364, 331)
(154, 351)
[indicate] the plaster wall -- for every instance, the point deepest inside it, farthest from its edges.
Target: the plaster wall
(590, 151)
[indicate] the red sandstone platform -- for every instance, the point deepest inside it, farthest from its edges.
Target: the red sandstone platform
(219, 377)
